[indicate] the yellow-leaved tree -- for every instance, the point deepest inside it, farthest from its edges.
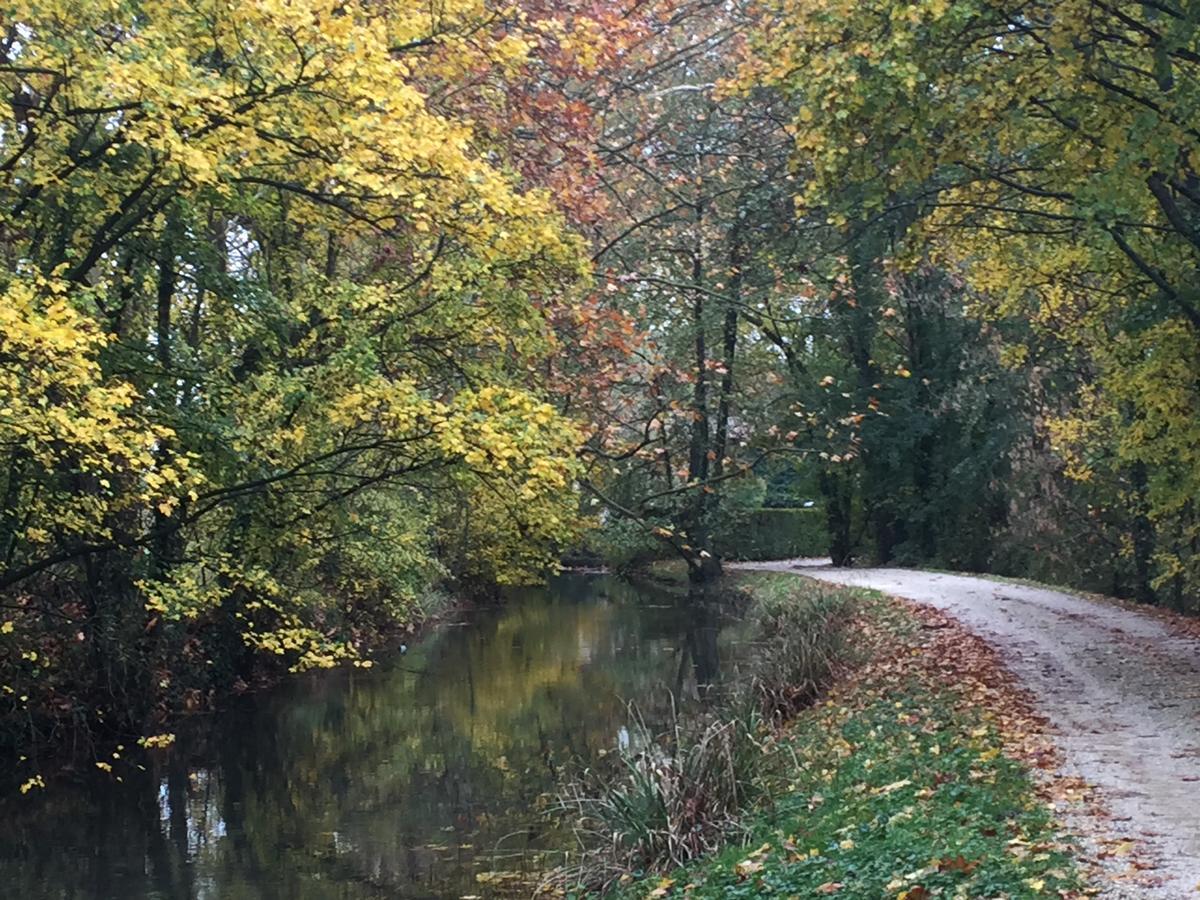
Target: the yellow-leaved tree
(269, 311)
(1049, 153)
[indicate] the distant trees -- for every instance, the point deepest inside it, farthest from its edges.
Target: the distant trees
(959, 303)
(1046, 155)
(699, 230)
(779, 339)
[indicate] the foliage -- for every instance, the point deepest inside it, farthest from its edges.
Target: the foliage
(774, 534)
(700, 236)
(61, 414)
(1045, 154)
(271, 340)
(626, 546)
(298, 317)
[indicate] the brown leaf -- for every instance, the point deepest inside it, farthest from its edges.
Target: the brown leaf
(957, 864)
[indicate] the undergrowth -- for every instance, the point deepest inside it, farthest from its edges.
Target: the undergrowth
(683, 794)
(900, 782)
(906, 796)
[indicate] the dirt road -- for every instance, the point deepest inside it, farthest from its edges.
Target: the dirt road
(1121, 689)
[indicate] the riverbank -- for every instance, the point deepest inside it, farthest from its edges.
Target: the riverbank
(914, 776)
(46, 732)
(1120, 686)
(426, 775)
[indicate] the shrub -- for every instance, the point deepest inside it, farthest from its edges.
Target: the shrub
(774, 534)
(806, 640)
(626, 546)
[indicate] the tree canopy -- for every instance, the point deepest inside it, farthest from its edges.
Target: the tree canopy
(274, 311)
(311, 310)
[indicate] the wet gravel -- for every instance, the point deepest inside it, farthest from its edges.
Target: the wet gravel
(1123, 694)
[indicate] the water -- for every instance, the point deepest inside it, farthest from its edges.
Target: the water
(424, 777)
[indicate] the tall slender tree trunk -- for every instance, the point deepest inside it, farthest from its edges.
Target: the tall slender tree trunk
(877, 482)
(837, 494)
(1143, 538)
(729, 340)
(703, 564)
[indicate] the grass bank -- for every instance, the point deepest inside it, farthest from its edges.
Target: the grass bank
(910, 777)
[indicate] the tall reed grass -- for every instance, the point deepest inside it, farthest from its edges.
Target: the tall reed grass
(681, 794)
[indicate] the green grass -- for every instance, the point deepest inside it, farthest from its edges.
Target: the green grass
(682, 794)
(896, 787)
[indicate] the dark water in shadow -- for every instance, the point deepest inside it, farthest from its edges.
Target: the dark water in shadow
(423, 777)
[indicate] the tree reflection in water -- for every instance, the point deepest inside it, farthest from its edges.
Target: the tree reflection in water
(415, 779)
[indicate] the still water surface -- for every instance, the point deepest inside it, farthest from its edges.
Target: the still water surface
(423, 777)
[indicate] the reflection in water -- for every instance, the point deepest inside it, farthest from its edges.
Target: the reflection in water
(423, 778)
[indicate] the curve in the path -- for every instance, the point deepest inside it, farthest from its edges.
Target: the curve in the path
(1121, 689)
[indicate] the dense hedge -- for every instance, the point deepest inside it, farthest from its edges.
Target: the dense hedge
(775, 534)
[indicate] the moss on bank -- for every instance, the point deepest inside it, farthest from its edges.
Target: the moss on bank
(909, 780)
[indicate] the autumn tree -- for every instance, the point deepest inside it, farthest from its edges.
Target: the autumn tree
(697, 184)
(1048, 153)
(269, 309)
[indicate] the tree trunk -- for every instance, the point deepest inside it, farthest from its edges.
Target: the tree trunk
(837, 494)
(703, 564)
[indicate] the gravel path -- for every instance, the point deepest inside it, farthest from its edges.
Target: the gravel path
(1120, 688)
